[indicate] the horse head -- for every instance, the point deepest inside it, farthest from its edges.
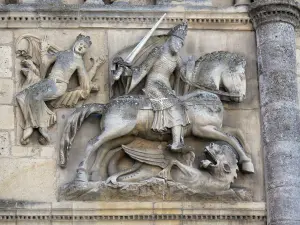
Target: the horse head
(234, 77)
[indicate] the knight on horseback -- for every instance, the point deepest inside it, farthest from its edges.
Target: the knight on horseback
(169, 110)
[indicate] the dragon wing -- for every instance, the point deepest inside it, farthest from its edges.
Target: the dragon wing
(149, 156)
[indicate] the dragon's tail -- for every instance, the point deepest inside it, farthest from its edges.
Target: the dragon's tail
(73, 124)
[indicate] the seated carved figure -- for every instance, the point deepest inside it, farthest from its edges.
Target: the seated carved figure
(32, 99)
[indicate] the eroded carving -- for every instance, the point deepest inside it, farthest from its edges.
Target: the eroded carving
(40, 86)
(159, 100)
(164, 175)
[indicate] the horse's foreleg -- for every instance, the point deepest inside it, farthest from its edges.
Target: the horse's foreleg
(211, 132)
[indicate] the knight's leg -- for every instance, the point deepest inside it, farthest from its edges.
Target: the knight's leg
(26, 134)
(177, 144)
(211, 132)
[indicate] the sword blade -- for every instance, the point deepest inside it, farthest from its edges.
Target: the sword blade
(140, 45)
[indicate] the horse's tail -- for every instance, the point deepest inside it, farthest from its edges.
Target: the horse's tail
(73, 124)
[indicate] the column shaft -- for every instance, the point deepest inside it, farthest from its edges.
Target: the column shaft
(280, 116)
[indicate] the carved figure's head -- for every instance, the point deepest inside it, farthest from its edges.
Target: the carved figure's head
(221, 161)
(82, 44)
(177, 35)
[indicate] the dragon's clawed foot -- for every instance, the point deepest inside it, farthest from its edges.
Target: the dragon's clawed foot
(165, 174)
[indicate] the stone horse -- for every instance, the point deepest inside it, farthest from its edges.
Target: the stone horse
(132, 115)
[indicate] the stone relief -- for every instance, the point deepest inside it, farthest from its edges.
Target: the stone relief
(47, 71)
(158, 98)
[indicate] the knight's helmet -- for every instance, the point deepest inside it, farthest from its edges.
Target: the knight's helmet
(179, 30)
(84, 38)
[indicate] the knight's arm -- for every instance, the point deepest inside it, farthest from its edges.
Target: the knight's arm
(84, 80)
(143, 69)
(178, 72)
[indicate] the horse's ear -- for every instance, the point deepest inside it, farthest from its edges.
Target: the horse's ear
(226, 168)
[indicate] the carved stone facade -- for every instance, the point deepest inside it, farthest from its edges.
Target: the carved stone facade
(114, 113)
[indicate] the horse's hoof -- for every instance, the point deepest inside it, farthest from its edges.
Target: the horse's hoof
(81, 176)
(247, 167)
(176, 147)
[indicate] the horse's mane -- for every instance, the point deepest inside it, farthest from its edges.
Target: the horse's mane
(231, 59)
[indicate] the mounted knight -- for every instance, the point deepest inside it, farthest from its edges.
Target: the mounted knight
(149, 103)
(158, 67)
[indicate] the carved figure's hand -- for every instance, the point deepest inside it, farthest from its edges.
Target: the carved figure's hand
(99, 61)
(44, 44)
(86, 86)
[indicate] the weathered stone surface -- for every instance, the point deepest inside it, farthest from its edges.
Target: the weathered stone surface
(6, 91)
(20, 151)
(222, 3)
(28, 179)
(274, 22)
(48, 152)
(5, 61)
(7, 117)
(6, 36)
(4, 144)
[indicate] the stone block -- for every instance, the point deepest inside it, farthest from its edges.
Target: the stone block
(4, 144)
(7, 117)
(12, 138)
(23, 151)
(28, 179)
(6, 36)
(5, 61)
(222, 3)
(6, 91)
(48, 152)
(43, 222)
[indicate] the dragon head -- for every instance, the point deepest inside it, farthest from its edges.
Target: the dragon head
(221, 162)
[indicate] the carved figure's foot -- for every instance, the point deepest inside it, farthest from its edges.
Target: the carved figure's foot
(81, 176)
(247, 167)
(24, 141)
(44, 139)
(26, 134)
(112, 179)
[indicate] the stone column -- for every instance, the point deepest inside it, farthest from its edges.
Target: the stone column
(275, 21)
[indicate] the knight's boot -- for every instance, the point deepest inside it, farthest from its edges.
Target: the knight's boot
(177, 144)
